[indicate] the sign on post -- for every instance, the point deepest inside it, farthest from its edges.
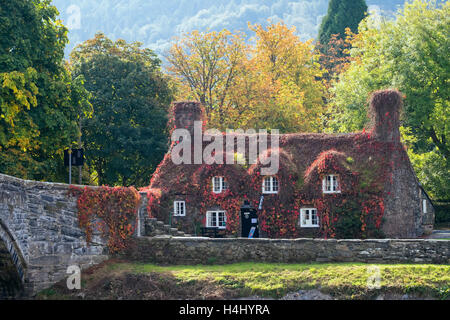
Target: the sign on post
(77, 157)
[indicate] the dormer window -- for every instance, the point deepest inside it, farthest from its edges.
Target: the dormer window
(330, 184)
(179, 208)
(219, 184)
(270, 185)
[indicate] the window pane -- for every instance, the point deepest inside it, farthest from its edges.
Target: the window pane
(335, 185)
(305, 217)
(216, 184)
(274, 184)
(314, 218)
(267, 184)
(208, 219)
(179, 208)
(221, 219)
(214, 219)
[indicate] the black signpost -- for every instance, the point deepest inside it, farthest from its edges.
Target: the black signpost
(249, 221)
(75, 158)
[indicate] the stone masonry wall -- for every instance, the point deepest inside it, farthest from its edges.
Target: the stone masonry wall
(38, 221)
(403, 214)
(198, 250)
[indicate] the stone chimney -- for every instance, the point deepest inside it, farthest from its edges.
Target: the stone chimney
(384, 114)
(185, 113)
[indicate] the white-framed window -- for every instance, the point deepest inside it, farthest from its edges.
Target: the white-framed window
(309, 218)
(219, 184)
(330, 184)
(179, 208)
(216, 219)
(424, 205)
(270, 185)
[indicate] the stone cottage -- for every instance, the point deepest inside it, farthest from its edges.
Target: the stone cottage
(349, 185)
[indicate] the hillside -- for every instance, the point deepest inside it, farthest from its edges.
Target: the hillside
(155, 23)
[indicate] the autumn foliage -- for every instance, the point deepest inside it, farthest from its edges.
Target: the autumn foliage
(111, 210)
(273, 83)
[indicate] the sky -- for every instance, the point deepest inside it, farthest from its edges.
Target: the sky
(156, 23)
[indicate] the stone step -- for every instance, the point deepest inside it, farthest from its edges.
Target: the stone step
(155, 227)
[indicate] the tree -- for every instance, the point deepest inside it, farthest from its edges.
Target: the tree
(341, 14)
(341, 21)
(126, 137)
(40, 102)
(273, 84)
(290, 94)
(207, 65)
(409, 53)
(335, 56)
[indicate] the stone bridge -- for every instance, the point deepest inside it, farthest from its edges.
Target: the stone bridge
(39, 236)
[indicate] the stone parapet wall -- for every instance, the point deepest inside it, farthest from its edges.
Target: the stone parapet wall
(199, 250)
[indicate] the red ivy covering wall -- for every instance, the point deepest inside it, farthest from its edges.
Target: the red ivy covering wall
(362, 171)
(363, 162)
(112, 210)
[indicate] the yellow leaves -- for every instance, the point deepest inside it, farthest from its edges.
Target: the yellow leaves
(271, 84)
(23, 93)
(206, 65)
(18, 93)
(290, 69)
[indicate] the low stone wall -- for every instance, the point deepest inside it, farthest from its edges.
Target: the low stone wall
(198, 250)
(39, 228)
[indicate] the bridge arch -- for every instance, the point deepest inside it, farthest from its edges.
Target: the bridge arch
(11, 282)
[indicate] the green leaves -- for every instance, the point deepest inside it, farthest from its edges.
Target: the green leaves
(125, 138)
(341, 14)
(409, 53)
(39, 103)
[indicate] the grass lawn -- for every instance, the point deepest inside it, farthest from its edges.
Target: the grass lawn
(340, 280)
